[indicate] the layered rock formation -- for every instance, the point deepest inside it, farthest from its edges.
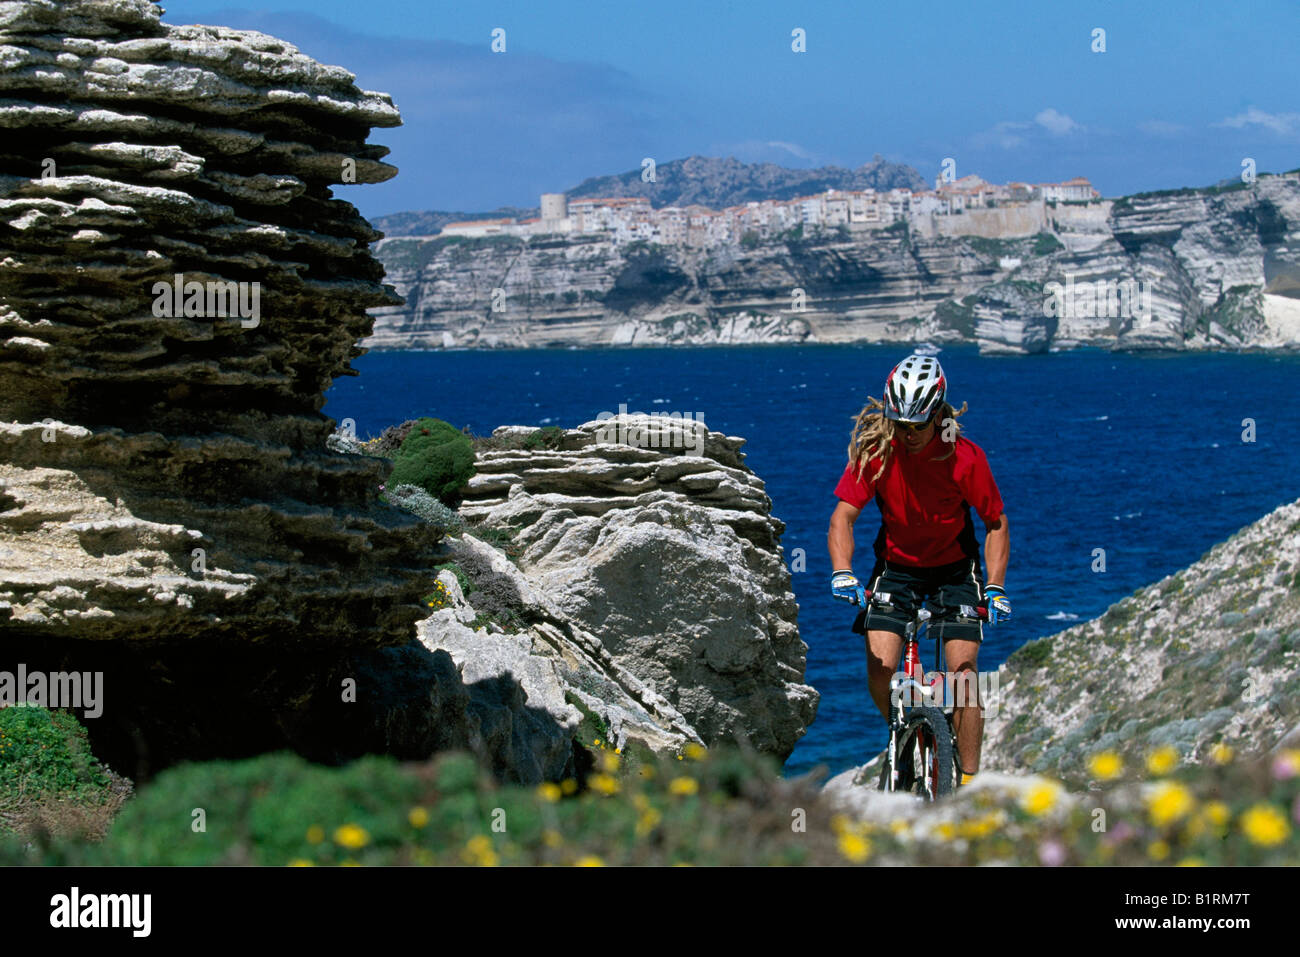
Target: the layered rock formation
(1217, 268)
(169, 512)
(1207, 655)
(651, 583)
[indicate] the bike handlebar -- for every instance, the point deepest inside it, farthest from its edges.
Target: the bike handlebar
(981, 611)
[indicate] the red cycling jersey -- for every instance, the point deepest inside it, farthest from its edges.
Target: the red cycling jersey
(925, 501)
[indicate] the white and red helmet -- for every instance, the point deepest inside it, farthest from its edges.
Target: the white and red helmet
(914, 389)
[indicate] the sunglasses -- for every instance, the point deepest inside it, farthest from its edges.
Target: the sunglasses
(915, 426)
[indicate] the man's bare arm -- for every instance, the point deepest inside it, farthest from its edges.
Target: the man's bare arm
(839, 540)
(997, 548)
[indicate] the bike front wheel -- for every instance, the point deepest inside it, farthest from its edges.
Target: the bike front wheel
(925, 755)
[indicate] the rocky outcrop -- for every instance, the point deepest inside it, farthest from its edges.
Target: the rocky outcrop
(1208, 655)
(651, 577)
(1213, 268)
(169, 511)
(673, 538)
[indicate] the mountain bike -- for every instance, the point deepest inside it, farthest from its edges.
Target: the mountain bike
(922, 755)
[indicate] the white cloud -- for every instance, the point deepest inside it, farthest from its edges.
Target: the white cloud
(764, 151)
(1005, 135)
(794, 148)
(1161, 127)
(1283, 124)
(1055, 122)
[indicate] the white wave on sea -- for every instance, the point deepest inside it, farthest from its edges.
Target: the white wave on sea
(1062, 616)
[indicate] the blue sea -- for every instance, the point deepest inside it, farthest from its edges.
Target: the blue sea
(1142, 456)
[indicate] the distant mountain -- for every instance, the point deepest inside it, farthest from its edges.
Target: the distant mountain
(718, 183)
(430, 222)
(705, 180)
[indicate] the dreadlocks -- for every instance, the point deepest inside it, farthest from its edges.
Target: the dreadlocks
(873, 433)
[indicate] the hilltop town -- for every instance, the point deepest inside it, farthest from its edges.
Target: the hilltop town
(968, 206)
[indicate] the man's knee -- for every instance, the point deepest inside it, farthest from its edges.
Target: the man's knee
(884, 649)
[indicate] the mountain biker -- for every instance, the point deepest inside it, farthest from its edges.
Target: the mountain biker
(907, 453)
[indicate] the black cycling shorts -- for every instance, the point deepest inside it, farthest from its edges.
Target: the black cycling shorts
(898, 591)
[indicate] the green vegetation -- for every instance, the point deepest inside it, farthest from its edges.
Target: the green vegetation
(1046, 243)
(549, 437)
(716, 807)
(994, 248)
(45, 752)
(1032, 654)
(749, 240)
(49, 780)
(435, 457)
(960, 316)
(713, 808)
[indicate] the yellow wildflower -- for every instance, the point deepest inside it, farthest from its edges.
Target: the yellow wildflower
(479, 850)
(855, 847)
(694, 751)
(1040, 798)
(603, 783)
(1191, 862)
(352, 836)
(684, 786)
(609, 762)
(568, 786)
(301, 862)
(552, 838)
(418, 817)
(946, 830)
(550, 791)
(1217, 812)
(1106, 765)
(647, 821)
(1169, 802)
(1221, 753)
(1162, 760)
(315, 834)
(590, 860)
(1157, 850)
(1265, 825)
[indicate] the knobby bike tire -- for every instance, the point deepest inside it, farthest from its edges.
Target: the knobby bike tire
(933, 722)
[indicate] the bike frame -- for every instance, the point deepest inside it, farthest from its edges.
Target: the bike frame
(908, 681)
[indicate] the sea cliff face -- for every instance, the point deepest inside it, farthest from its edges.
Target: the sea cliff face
(650, 588)
(1214, 268)
(170, 514)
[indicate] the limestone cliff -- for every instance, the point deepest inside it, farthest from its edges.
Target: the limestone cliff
(169, 512)
(1216, 268)
(650, 588)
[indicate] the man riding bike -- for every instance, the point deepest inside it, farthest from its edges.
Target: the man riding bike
(907, 453)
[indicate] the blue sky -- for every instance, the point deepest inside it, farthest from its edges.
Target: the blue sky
(1012, 91)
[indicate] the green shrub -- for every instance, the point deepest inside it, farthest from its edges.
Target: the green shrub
(46, 752)
(436, 457)
(1045, 244)
(421, 503)
(1032, 654)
